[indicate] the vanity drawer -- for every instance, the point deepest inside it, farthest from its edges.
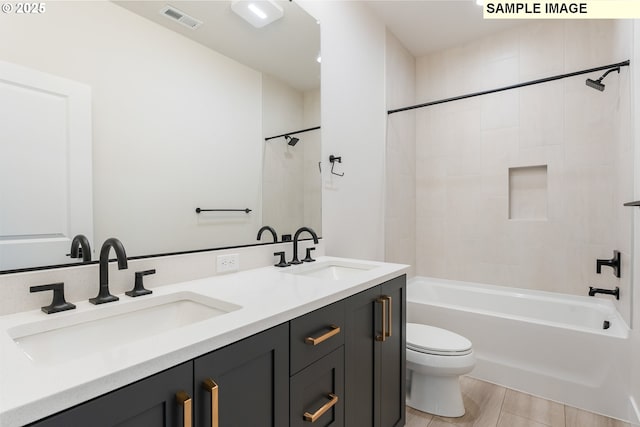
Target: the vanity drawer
(317, 393)
(315, 335)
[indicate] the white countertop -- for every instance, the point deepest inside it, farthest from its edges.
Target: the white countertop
(269, 296)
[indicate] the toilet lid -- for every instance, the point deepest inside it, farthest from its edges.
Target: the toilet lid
(432, 340)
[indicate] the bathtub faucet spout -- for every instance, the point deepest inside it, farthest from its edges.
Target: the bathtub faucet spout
(593, 291)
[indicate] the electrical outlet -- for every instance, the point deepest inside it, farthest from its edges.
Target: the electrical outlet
(230, 262)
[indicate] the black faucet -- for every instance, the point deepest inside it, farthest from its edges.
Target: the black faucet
(615, 292)
(295, 259)
(80, 248)
(121, 256)
(270, 230)
(613, 263)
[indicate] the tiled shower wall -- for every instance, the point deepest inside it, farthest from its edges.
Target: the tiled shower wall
(291, 182)
(400, 171)
(576, 139)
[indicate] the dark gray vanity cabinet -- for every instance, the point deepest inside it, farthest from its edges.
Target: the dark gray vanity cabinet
(151, 402)
(245, 383)
(340, 365)
(375, 356)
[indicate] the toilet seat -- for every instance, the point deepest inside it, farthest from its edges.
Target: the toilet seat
(440, 342)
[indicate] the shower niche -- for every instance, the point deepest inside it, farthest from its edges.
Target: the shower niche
(528, 193)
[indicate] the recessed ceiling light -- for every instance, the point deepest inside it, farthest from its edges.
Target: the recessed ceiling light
(257, 12)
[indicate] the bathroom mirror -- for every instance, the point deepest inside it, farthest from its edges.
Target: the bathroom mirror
(178, 121)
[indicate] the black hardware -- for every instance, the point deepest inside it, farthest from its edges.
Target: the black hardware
(606, 324)
(286, 237)
(291, 140)
(615, 292)
(283, 262)
(58, 303)
(308, 257)
(597, 84)
(333, 160)
(121, 256)
(80, 248)
(613, 263)
(292, 133)
(246, 210)
(515, 86)
(295, 259)
(636, 203)
(270, 230)
(138, 287)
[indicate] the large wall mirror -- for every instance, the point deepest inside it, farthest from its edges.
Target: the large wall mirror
(125, 119)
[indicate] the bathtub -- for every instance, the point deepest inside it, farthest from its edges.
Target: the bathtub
(550, 345)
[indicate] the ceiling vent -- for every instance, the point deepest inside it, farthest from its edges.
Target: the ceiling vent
(180, 17)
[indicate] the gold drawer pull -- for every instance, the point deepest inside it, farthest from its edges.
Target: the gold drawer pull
(211, 386)
(314, 417)
(383, 301)
(390, 316)
(335, 330)
(184, 400)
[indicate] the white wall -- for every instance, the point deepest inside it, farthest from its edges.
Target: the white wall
(465, 149)
(175, 125)
(353, 126)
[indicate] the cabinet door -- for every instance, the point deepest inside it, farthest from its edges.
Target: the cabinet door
(150, 402)
(252, 378)
(393, 356)
(375, 375)
(361, 363)
(317, 393)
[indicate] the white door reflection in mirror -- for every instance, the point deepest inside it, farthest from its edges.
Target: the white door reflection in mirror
(45, 166)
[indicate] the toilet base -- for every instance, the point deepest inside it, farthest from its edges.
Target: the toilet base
(435, 395)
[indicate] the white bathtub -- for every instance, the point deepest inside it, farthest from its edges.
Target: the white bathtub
(546, 344)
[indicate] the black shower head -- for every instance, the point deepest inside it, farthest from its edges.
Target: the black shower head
(291, 140)
(597, 84)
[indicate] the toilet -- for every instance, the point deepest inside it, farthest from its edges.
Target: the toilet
(435, 360)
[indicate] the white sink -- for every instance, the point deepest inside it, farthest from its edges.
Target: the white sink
(105, 328)
(331, 270)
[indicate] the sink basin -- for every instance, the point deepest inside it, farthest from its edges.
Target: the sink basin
(103, 330)
(332, 270)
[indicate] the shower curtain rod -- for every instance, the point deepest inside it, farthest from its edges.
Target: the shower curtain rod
(529, 83)
(292, 133)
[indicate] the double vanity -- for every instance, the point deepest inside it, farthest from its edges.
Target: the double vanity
(273, 346)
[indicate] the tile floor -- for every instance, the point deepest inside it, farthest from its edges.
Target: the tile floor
(490, 405)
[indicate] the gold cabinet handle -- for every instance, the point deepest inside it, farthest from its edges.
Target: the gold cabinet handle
(335, 330)
(383, 301)
(184, 400)
(333, 399)
(211, 386)
(390, 316)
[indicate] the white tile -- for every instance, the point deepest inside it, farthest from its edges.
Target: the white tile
(500, 110)
(541, 49)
